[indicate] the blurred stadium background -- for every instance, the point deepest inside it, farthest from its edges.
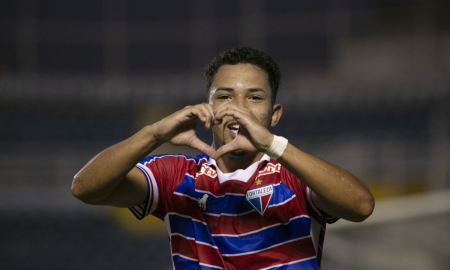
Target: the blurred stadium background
(365, 85)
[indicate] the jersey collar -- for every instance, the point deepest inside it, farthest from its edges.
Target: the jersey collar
(240, 175)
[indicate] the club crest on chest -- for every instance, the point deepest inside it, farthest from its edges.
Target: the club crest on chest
(260, 197)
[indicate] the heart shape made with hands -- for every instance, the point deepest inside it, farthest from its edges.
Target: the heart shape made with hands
(242, 141)
(180, 128)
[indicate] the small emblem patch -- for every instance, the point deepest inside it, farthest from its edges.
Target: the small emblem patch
(202, 202)
(259, 198)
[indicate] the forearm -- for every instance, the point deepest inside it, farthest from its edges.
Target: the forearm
(101, 175)
(336, 191)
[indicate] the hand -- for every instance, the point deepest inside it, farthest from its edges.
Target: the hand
(180, 127)
(252, 136)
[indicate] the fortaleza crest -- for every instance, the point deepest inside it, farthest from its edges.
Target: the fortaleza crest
(259, 198)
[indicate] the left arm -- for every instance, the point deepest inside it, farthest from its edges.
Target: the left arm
(334, 190)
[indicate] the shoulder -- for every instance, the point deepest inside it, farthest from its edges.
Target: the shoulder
(291, 181)
(172, 163)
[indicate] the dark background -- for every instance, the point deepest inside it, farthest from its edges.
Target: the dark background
(365, 85)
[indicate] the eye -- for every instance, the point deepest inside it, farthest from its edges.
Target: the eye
(223, 97)
(255, 98)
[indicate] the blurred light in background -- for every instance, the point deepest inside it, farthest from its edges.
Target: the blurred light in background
(365, 85)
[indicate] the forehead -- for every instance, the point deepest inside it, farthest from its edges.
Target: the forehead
(241, 76)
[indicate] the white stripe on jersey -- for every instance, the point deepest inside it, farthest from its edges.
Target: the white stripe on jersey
(221, 196)
(278, 265)
(153, 201)
(281, 203)
(185, 257)
(212, 266)
(185, 195)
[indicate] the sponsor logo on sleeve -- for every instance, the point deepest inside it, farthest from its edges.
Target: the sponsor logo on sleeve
(204, 169)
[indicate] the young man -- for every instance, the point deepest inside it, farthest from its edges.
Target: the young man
(252, 200)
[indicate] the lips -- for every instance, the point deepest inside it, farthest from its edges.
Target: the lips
(233, 129)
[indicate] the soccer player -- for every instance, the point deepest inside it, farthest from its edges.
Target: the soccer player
(251, 200)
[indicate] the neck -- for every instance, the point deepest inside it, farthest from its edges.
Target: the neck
(229, 163)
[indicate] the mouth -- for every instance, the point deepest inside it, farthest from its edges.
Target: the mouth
(233, 128)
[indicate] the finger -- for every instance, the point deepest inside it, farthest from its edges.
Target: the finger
(210, 110)
(208, 113)
(202, 147)
(225, 106)
(241, 117)
(230, 107)
(192, 112)
(222, 107)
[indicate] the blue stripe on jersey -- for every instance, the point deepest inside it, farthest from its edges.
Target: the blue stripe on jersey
(296, 228)
(281, 193)
(230, 203)
(184, 263)
(181, 225)
(189, 228)
(306, 264)
(204, 267)
(187, 187)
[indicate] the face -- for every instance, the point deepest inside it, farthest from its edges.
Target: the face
(246, 86)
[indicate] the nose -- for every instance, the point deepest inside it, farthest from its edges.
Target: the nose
(240, 101)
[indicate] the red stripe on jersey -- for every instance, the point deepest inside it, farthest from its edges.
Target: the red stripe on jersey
(183, 246)
(210, 255)
(186, 205)
(288, 252)
(197, 251)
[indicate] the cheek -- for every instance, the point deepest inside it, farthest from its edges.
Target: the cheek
(216, 130)
(263, 117)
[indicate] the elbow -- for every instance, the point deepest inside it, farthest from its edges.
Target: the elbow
(365, 209)
(78, 190)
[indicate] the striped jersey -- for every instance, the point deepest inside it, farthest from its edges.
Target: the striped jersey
(258, 218)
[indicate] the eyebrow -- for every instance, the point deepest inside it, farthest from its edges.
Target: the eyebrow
(228, 89)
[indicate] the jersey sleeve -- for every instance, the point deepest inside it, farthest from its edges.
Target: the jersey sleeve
(163, 174)
(328, 218)
(306, 193)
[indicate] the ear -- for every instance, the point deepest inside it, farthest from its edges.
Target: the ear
(277, 111)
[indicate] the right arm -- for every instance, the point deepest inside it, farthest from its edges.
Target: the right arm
(110, 178)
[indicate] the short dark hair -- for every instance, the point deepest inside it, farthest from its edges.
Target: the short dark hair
(245, 55)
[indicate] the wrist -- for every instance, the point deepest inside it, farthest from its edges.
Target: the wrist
(277, 147)
(152, 134)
